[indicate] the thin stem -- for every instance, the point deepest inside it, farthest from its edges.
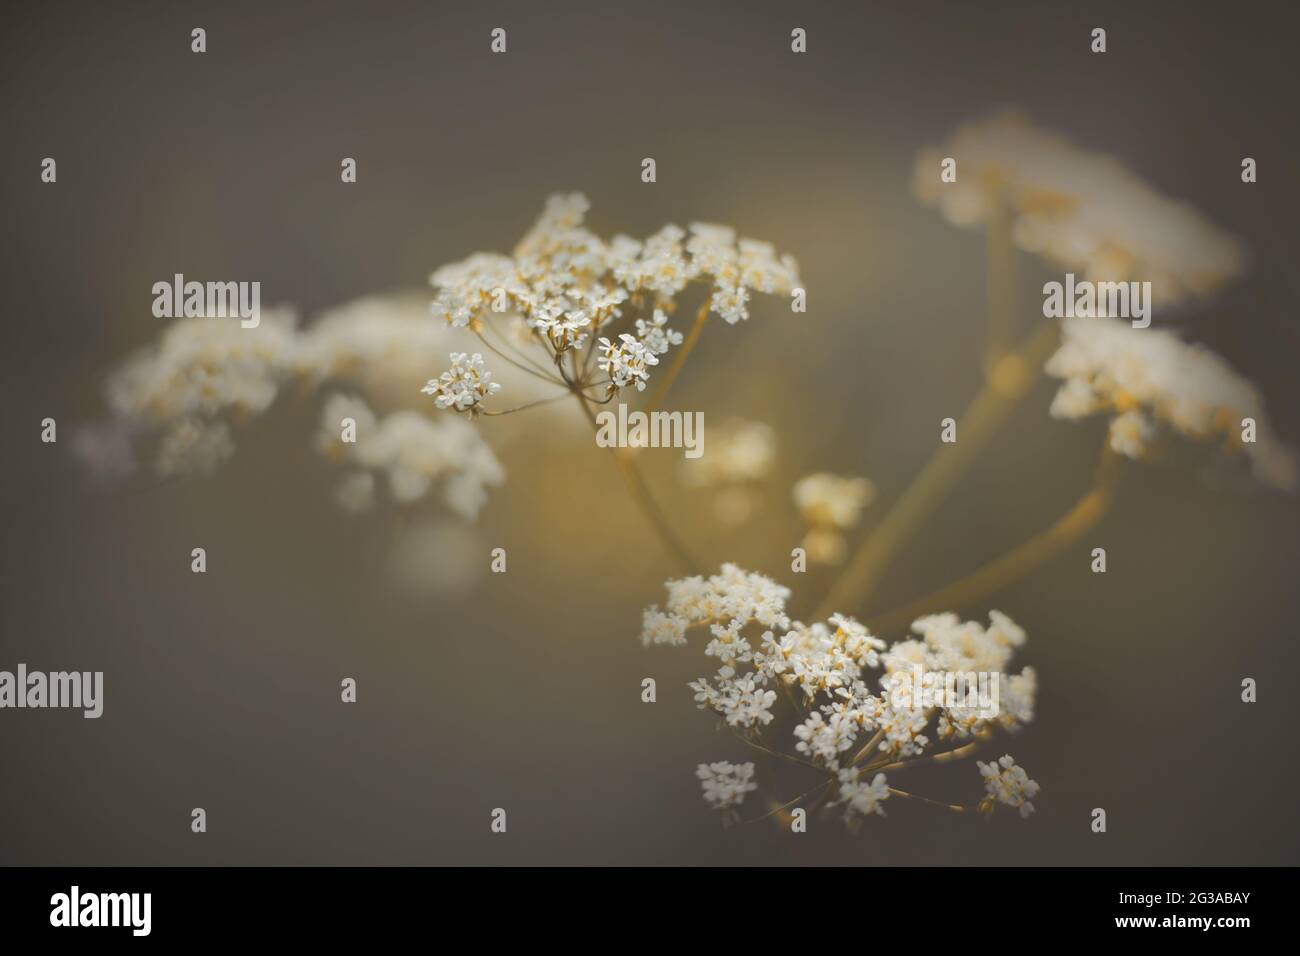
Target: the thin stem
(520, 408)
(947, 756)
(523, 368)
(776, 753)
(679, 359)
(1007, 384)
(870, 745)
(1002, 280)
(913, 796)
(641, 495)
(789, 803)
(1019, 561)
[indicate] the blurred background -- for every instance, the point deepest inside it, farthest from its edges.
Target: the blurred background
(522, 690)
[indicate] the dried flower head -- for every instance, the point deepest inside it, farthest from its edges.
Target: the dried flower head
(1008, 784)
(1143, 378)
(844, 727)
(568, 286)
(1082, 210)
(831, 504)
(464, 386)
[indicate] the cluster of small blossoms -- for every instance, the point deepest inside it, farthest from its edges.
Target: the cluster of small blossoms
(741, 454)
(1008, 784)
(568, 285)
(627, 361)
(861, 797)
(206, 375)
(1146, 377)
(413, 452)
(1082, 210)
(725, 784)
(464, 386)
(831, 505)
(846, 726)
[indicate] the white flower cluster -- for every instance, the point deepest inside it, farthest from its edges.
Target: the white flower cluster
(464, 386)
(206, 374)
(741, 454)
(826, 663)
(1008, 784)
(566, 283)
(414, 453)
(1079, 209)
(859, 796)
(627, 361)
(831, 504)
(725, 784)
(1141, 377)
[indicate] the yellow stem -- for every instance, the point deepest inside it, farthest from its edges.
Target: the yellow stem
(1013, 565)
(636, 484)
(1002, 280)
(914, 796)
(679, 359)
(1006, 384)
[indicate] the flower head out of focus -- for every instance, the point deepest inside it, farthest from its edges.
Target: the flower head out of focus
(844, 724)
(206, 376)
(831, 505)
(1080, 210)
(1147, 378)
(741, 454)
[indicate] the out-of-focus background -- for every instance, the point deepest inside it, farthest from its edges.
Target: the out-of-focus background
(522, 690)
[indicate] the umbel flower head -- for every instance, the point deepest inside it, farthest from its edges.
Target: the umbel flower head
(831, 505)
(205, 376)
(1145, 378)
(464, 386)
(846, 727)
(1078, 209)
(572, 288)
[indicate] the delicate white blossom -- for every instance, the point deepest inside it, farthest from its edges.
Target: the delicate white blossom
(1149, 377)
(1007, 783)
(725, 784)
(464, 386)
(1079, 209)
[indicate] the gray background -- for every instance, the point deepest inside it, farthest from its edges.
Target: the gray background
(222, 689)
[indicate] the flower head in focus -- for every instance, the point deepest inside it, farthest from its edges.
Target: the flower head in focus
(846, 725)
(464, 386)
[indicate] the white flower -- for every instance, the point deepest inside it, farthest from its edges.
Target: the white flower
(1008, 784)
(739, 451)
(415, 452)
(193, 446)
(1145, 377)
(565, 325)
(862, 798)
(655, 335)
(356, 492)
(464, 386)
(626, 361)
(1079, 209)
(725, 784)
(832, 501)
(729, 303)
(827, 662)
